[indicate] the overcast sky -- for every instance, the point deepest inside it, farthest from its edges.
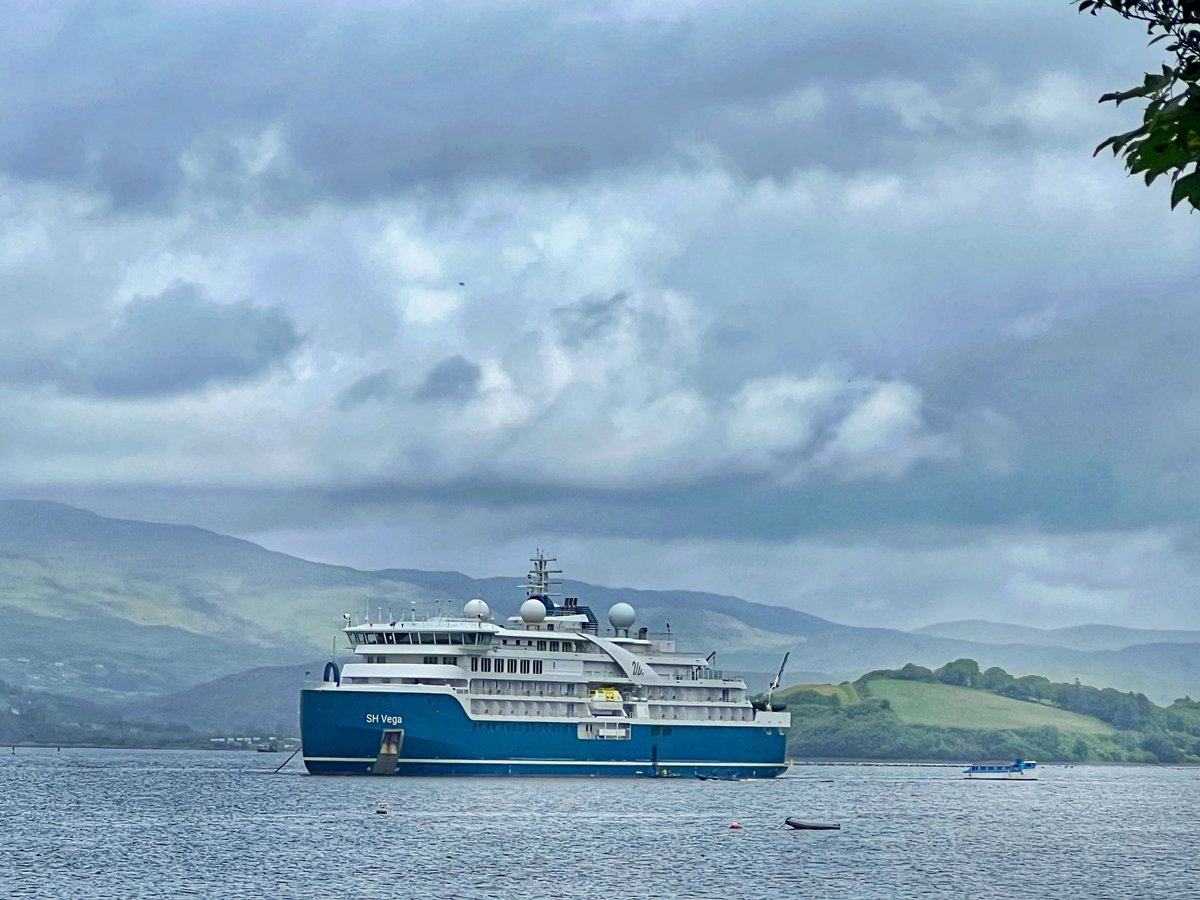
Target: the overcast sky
(823, 304)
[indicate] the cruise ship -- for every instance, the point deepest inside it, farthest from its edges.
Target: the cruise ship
(548, 692)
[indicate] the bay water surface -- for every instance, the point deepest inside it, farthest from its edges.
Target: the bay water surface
(120, 823)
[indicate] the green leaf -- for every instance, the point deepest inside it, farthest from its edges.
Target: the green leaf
(1118, 141)
(1186, 188)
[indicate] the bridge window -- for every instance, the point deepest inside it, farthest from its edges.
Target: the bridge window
(389, 637)
(443, 637)
(456, 638)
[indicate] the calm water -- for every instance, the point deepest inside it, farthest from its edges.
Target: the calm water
(96, 823)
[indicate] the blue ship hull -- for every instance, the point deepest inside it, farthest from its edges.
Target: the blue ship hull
(342, 730)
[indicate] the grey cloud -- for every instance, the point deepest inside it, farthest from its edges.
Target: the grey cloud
(583, 321)
(378, 386)
(1062, 497)
(455, 379)
(173, 343)
(388, 98)
(1117, 383)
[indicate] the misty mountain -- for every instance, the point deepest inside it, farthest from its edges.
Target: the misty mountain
(114, 610)
(262, 701)
(1079, 637)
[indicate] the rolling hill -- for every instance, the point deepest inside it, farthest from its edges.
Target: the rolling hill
(951, 706)
(120, 611)
(961, 713)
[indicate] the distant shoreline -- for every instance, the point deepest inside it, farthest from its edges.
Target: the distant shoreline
(812, 763)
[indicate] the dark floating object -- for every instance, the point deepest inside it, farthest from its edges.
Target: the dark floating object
(812, 826)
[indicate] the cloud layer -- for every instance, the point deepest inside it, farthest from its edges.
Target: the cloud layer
(175, 343)
(684, 284)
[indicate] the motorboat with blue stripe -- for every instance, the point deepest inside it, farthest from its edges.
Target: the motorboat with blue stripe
(1015, 770)
(545, 693)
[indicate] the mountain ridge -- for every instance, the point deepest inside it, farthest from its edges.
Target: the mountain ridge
(1075, 637)
(222, 605)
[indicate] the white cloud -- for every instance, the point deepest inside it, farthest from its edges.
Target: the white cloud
(884, 436)
(424, 306)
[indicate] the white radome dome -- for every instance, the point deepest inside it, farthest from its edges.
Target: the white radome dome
(477, 609)
(621, 615)
(533, 611)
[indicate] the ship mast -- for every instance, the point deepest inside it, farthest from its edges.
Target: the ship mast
(540, 582)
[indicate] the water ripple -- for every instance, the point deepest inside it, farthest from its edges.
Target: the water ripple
(149, 824)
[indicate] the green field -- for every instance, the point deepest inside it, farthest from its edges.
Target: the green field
(845, 692)
(947, 706)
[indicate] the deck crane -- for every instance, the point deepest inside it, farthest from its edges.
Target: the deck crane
(778, 678)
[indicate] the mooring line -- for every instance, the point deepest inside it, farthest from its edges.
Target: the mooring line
(286, 761)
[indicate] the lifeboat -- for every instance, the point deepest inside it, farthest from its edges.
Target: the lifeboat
(606, 701)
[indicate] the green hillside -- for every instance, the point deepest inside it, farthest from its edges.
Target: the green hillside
(950, 706)
(845, 693)
(960, 713)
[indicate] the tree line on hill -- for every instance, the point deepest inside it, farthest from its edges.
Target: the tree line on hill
(1125, 711)
(823, 727)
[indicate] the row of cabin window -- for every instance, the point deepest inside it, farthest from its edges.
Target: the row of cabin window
(419, 637)
(484, 664)
(552, 646)
(428, 660)
(478, 664)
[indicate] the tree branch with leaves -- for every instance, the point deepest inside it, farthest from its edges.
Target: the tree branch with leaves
(1168, 140)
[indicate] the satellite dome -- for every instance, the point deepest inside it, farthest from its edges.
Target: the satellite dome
(477, 609)
(621, 616)
(533, 611)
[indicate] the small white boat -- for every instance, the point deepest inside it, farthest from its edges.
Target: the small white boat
(1017, 770)
(381, 809)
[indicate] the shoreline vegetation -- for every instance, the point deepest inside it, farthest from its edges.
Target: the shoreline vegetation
(958, 712)
(911, 715)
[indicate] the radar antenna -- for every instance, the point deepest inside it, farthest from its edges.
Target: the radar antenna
(778, 678)
(540, 580)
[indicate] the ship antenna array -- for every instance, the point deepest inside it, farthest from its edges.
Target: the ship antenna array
(540, 580)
